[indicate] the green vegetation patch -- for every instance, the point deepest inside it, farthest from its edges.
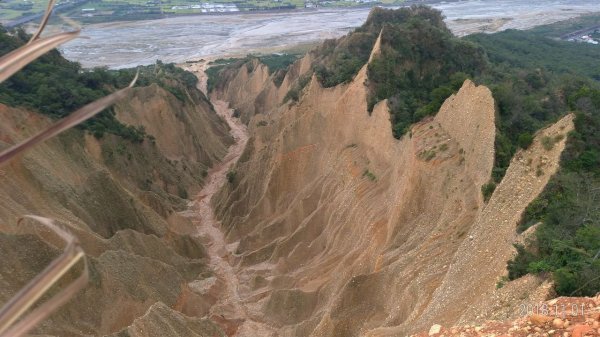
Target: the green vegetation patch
(535, 50)
(294, 93)
(531, 77)
(280, 61)
(231, 176)
(421, 63)
(487, 190)
(57, 87)
(369, 175)
(427, 155)
(220, 71)
(567, 241)
(536, 79)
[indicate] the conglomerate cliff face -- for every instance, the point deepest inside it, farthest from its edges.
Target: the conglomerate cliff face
(342, 230)
(121, 199)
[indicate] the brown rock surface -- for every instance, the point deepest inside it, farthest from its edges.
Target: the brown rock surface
(537, 321)
(121, 200)
(326, 226)
(160, 321)
(254, 92)
(390, 236)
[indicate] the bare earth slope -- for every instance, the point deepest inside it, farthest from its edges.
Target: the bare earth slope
(321, 224)
(563, 316)
(122, 200)
(251, 92)
(338, 229)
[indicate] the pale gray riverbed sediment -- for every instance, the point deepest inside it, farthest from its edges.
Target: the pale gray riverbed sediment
(127, 44)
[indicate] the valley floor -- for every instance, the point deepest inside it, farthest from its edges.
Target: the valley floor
(229, 310)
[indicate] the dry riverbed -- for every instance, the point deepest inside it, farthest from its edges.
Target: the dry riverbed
(229, 311)
(127, 44)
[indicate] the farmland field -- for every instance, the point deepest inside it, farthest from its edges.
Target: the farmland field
(95, 11)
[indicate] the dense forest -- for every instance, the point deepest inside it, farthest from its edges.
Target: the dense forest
(535, 80)
(57, 87)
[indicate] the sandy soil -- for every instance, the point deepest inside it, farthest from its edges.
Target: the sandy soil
(564, 316)
(198, 69)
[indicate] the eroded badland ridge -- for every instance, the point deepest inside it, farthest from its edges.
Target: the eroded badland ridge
(122, 199)
(306, 216)
(343, 230)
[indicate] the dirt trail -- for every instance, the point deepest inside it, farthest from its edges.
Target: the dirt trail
(229, 311)
(199, 68)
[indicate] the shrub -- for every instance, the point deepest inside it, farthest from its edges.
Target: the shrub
(487, 190)
(294, 93)
(369, 175)
(525, 140)
(427, 155)
(182, 192)
(539, 172)
(279, 77)
(231, 176)
(219, 71)
(548, 143)
(537, 267)
(519, 265)
(533, 213)
(501, 282)
(277, 62)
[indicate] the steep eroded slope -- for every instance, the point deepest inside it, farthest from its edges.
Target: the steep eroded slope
(342, 230)
(121, 199)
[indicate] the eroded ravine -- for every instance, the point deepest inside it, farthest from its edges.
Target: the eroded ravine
(229, 310)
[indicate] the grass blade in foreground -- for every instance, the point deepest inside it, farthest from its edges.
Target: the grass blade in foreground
(66, 123)
(37, 287)
(44, 21)
(16, 60)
